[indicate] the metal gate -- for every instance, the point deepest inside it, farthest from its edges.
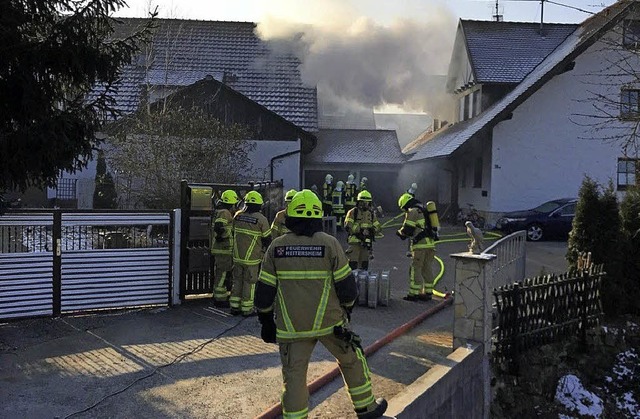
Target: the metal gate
(197, 208)
(63, 262)
(26, 276)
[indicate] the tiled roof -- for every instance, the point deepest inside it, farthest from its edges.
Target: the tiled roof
(505, 52)
(185, 51)
(356, 147)
(446, 141)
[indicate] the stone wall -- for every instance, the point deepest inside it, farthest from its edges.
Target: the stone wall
(450, 390)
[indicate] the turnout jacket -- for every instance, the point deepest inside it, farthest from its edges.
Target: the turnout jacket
(357, 221)
(414, 224)
(251, 232)
(307, 281)
(221, 233)
(277, 227)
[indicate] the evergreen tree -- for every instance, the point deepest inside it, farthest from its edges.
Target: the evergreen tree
(52, 54)
(630, 215)
(104, 195)
(584, 232)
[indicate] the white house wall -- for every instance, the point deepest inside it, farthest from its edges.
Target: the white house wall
(285, 168)
(540, 154)
(479, 197)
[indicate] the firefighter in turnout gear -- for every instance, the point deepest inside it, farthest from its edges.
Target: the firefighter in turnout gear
(362, 225)
(251, 235)
(364, 184)
(419, 227)
(306, 280)
(277, 227)
(327, 198)
(222, 246)
(350, 193)
(337, 203)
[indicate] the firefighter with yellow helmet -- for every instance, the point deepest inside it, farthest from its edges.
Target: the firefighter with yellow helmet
(306, 280)
(222, 246)
(362, 225)
(421, 225)
(277, 226)
(251, 234)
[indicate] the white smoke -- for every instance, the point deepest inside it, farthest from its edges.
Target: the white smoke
(357, 62)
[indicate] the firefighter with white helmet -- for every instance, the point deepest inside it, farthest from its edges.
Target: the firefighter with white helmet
(327, 195)
(306, 280)
(337, 203)
(362, 225)
(277, 226)
(421, 225)
(350, 193)
(251, 234)
(222, 246)
(364, 182)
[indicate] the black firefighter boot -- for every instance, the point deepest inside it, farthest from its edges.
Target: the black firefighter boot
(374, 410)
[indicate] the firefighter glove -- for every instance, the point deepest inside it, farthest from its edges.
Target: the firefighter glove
(268, 330)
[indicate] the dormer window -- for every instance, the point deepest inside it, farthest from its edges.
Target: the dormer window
(631, 34)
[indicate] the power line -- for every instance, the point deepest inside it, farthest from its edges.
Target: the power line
(571, 7)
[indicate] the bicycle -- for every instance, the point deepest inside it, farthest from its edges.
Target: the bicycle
(471, 214)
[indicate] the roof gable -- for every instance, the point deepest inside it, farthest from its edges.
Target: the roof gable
(184, 51)
(356, 147)
(505, 52)
(445, 142)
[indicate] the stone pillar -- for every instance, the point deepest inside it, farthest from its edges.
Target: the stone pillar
(472, 308)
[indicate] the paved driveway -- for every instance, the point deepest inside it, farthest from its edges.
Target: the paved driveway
(116, 365)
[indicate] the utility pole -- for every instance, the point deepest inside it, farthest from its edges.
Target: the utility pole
(541, 15)
(497, 16)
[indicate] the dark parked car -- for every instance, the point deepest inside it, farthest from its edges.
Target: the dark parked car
(551, 219)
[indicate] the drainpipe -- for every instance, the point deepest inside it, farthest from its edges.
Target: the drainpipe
(279, 156)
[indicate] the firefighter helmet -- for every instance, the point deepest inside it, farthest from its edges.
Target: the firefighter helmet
(364, 196)
(339, 185)
(253, 197)
(328, 179)
(289, 195)
(305, 204)
(229, 197)
(404, 198)
(350, 179)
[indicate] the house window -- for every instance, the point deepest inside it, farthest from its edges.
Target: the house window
(66, 189)
(477, 106)
(463, 176)
(629, 103)
(627, 173)
(477, 173)
(467, 107)
(631, 34)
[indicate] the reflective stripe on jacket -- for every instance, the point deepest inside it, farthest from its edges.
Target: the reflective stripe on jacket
(222, 244)
(304, 271)
(277, 227)
(327, 190)
(358, 220)
(248, 230)
(414, 223)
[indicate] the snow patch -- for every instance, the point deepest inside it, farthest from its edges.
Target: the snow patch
(629, 405)
(572, 394)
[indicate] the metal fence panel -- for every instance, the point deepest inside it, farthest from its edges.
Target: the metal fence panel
(117, 278)
(26, 284)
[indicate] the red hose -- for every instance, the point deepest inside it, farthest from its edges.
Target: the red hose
(276, 410)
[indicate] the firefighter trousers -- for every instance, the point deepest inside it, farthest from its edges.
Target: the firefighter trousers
(359, 256)
(245, 278)
(295, 358)
(421, 274)
(223, 265)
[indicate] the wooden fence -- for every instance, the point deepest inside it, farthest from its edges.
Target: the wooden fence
(545, 309)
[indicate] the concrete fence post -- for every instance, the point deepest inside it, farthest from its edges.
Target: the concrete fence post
(472, 309)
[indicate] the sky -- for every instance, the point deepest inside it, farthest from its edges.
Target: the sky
(388, 55)
(382, 12)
